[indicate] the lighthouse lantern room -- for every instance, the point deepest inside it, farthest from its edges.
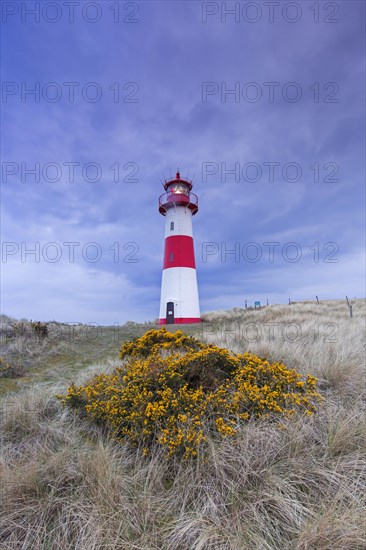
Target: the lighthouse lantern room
(179, 301)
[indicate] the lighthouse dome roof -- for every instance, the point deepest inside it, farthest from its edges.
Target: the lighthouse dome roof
(176, 180)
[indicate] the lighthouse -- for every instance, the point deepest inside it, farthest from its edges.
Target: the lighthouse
(179, 302)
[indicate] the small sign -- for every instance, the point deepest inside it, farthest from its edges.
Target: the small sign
(257, 305)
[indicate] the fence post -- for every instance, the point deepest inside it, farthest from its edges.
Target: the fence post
(267, 301)
(289, 301)
(350, 311)
(347, 301)
(246, 304)
(317, 299)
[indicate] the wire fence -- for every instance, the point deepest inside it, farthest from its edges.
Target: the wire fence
(258, 304)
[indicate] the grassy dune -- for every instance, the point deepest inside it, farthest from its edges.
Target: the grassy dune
(299, 485)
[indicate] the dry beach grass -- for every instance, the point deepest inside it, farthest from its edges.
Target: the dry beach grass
(298, 485)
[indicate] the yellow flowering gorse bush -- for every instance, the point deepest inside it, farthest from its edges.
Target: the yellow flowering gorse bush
(173, 390)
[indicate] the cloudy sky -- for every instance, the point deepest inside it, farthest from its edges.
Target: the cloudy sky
(262, 103)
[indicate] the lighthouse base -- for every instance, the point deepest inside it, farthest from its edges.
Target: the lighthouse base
(179, 297)
(181, 321)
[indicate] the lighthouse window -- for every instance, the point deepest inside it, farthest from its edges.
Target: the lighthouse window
(171, 257)
(171, 226)
(179, 188)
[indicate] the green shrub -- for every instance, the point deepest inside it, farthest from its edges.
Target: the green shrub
(174, 389)
(39, 329)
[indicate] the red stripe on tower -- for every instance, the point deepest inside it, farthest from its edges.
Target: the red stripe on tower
(181, 320)
(179, 252)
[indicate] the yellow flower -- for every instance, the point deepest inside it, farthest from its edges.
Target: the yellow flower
(173, 388)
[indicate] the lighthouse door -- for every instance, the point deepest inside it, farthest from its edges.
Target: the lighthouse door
(170, 313)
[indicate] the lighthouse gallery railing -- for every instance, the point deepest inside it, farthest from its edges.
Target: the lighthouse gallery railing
(175, 197)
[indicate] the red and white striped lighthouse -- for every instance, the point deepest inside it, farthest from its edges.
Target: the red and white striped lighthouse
(179, 292)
